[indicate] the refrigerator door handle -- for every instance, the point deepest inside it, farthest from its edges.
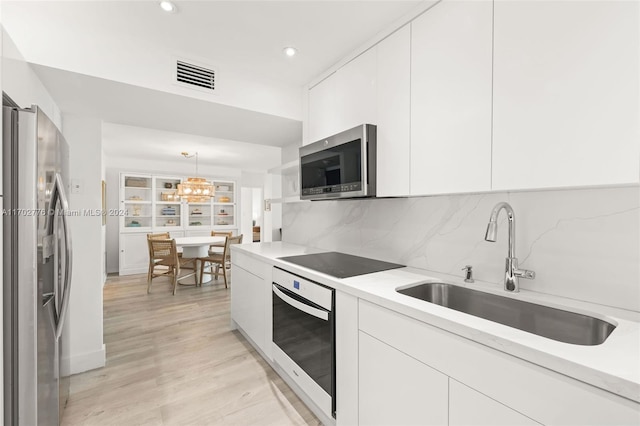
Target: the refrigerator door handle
(59, 189)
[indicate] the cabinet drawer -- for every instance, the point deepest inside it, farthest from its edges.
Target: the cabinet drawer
(246, 262)
(470, 408)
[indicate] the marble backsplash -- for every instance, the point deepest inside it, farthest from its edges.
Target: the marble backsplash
(582, 243)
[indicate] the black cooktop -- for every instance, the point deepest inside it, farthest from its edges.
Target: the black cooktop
(340, 265)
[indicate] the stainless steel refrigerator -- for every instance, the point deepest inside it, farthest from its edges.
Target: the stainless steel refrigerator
(36, 267)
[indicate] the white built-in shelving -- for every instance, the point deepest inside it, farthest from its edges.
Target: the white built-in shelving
(150, 204)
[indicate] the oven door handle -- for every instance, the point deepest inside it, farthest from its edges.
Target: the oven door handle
(318, 313)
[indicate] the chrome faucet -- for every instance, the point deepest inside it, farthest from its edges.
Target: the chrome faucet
(511, 273)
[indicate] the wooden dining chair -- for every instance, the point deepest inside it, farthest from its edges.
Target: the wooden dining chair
(167, 261)
(159, 236)
(220, 260)
(218, 248)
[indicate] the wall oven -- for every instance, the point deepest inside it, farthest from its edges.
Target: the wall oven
(340, 166)
(304, 336)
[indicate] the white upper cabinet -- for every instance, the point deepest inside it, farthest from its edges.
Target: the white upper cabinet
(345, 99)
(322, 109)
(566, 95)
(475, 96)
(394, 114)
(356, 91)
(451, 48)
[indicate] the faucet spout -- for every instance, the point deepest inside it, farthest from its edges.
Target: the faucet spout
(492, 227)
(512, 273)
(492, 232)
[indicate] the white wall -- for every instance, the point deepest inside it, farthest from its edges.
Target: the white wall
(20, 82)
(253, 180)
(252, 196)
(85, 309)
(583, 243)
(103, 175)
(291, 152)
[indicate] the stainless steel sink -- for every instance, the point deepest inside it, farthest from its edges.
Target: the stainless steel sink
(556, 324)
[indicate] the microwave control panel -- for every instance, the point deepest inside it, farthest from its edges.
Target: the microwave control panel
(348, 187)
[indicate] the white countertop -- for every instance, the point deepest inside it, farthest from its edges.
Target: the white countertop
(613, 365)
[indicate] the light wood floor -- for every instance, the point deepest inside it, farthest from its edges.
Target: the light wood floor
(173, 360)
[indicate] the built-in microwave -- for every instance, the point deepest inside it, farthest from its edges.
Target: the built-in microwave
(340, 166)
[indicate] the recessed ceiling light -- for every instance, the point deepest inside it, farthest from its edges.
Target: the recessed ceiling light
(290, 51)
(168, 6)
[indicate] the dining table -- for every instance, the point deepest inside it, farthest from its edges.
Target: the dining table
(195, 247)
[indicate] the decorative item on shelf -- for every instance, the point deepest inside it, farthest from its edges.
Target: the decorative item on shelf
(224, 200)
(168, 185)
(222, 213)
(134, 224)
(195, 224)
(168, 211)
(135, 182)
(196, 211)
(195, 189)
(137, 210)
(222, 188)
(170, 222)
(169, 196)
(222, 222)
(135, 198)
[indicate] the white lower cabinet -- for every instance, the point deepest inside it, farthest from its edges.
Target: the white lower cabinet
(247, 305)
(468, 407)
(396, 370)
(250, 299)
(497, 388)
(134, 253)
(396, 389)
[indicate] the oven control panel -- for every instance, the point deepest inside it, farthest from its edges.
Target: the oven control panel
(317, 293)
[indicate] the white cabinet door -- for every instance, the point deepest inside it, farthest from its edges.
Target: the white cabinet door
(248, 304)
(134, 253)
(345, 99)
(451, 48)
(356, 91)
(394, 114)
(322, 110)
(566, 93)
(346, 359)
(395, 389)
(468, 407)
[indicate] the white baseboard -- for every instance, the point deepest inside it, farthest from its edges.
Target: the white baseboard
(88, 361)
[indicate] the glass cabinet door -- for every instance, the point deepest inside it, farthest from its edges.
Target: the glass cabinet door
(136, 202)
(199, 215)
(168, 208)
(224, 204)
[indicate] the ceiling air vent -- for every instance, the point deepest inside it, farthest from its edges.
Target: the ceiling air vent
(195, 76)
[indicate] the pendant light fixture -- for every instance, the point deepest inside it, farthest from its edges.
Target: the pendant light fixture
(195, 189)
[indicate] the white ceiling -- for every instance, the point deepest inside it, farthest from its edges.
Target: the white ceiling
(247, 36)
(69, 41)
(150, 144)
(138, 106)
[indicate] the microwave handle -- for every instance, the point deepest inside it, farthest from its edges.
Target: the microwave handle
(318, 313)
